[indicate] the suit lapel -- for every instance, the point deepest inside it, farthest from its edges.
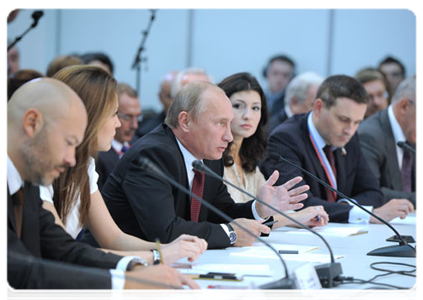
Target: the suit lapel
(391, 149)
(311, 153)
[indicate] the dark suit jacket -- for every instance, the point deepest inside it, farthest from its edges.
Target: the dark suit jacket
(46, 256)
(276, 119)
(149, 124)
(104, 165)
(291, 140)
(378, 145)
(147, 206)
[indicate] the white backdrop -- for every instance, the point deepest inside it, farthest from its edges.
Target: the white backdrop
(222, 41)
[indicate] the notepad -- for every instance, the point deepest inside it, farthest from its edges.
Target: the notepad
(288, 248)
(339, 231)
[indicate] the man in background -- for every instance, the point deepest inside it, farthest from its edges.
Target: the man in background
(393, 166)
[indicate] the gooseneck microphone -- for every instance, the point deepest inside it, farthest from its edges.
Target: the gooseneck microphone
(327, 272)
(406, 147)
(283, 283)
(402, 250)
(36, 15)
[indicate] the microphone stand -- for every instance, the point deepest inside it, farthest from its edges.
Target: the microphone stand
(138, 59)
(402, 250)
(326, 272)
(283, 283)
(407, 147)
(36, 15)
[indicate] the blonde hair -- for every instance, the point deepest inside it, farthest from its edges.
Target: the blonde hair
(97, 89)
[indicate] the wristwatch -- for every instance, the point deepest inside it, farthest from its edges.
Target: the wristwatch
(233, 237)
(135, 262)
(156, 257)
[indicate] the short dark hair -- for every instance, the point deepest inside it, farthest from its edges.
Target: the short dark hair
(390, 59)
(338, 86)
(89, 57)
(19, 78)
(253, 148)
(282, 58)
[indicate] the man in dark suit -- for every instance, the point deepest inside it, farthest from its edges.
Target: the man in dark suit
(324, 143)
(197, 128)
(379, 136)
(46, 122)
(129, 112)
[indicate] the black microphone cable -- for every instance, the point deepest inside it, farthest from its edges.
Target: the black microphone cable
(403, 250)
(284, 283)
(328, 272)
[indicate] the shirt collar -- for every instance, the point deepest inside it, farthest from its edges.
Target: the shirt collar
(396, 128)
(118, 145)
(320, 142)
(188, 159)
(14, 180)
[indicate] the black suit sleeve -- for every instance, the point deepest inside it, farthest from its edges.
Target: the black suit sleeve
(32, 278)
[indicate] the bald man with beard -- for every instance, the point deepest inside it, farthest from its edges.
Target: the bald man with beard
(46, 122)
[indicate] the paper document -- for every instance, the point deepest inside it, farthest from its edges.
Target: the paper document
(245, 270)
(341, 231)
(267, 253)
(281, 248)
(409, 220)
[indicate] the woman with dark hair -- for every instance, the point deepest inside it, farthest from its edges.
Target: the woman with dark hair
(248, 147)
(74, 198)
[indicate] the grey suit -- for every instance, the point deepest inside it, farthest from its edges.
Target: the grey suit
(378, 145)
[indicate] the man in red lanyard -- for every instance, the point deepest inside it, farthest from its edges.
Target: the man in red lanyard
(325, 143)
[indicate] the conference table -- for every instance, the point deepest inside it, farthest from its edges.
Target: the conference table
(349, 243)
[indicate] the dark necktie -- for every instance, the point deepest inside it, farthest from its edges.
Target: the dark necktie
(407, 170)
(331, 196)
(197, 189)
(17, 201)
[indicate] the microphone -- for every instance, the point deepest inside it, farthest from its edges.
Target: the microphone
(283, 283)
(326, 272)
(402, 250)
(407, 147)
(36, 15)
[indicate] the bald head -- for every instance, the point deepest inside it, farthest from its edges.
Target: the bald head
(166, 88)
(52, 98)
(46, 121)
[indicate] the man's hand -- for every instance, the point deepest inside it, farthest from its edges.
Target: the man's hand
(394, 208)
(281, 197)
(254, 226)
(157, 277)
(312, 216)
(184, 246)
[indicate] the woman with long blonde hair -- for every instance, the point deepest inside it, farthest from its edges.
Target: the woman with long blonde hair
(74, 198)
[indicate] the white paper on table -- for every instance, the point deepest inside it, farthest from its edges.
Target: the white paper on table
(409, 220)
(288, 247)
(245, 270)
(259, 252)
(341, 231)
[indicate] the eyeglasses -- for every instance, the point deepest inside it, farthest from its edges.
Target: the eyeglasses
(129, 118)
(413, 104)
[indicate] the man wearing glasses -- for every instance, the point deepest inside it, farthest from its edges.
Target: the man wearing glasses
(129, 114)
(397, 169)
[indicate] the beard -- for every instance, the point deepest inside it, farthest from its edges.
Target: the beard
(38, 158)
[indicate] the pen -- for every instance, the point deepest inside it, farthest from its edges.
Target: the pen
(228, 287)
(288, 251)
(159, 248)
(270, 223)
(318, 218)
